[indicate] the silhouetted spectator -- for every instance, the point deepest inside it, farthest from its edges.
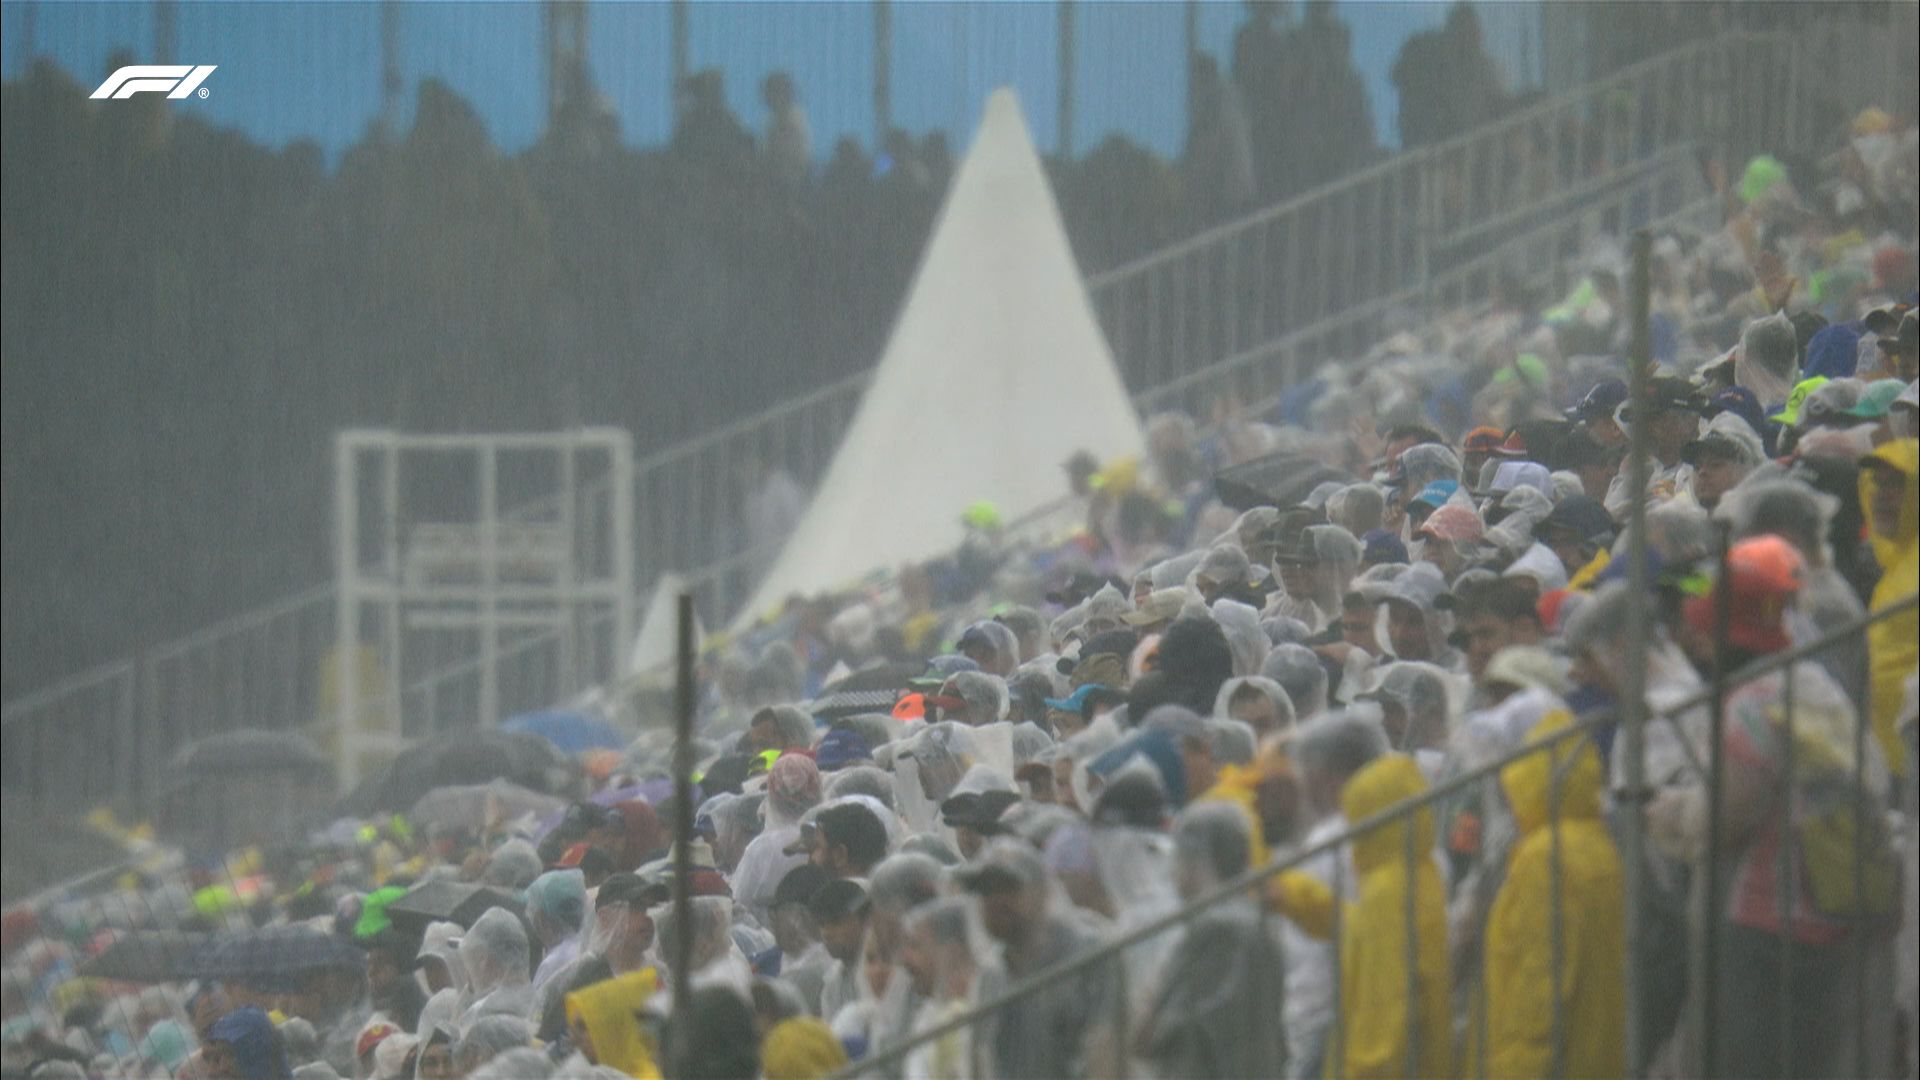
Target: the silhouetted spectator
(789, 145)
(1446, 81)
(1219, 148)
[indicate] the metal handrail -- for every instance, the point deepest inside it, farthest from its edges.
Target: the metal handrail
(1255, 876)
(16, 710)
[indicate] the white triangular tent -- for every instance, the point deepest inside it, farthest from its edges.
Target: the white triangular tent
(657, 644)
(995, 374)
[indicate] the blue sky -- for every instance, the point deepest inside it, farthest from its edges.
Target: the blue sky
(294, 69)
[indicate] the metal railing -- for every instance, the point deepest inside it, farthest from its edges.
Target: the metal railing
(1472, 1036)
(264, 669)
(1240, 309)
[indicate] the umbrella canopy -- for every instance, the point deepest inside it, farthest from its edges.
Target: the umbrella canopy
(878, 677)
(467, 805)
(570, 732)
(145, 956)
(1282, 480)
(447, 901)
(247, 750)
(274, 959)
(846, 703)
(464, 757)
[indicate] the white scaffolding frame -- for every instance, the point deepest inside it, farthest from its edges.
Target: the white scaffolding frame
(563, 562)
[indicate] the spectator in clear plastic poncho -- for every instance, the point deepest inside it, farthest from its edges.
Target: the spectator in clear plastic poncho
(1210, 1009)
(1246, 640)
(1298, 672)
(489, 1037)
(1727, 451)
(1316, 569)
(513, 866)
(1801, 516)
(1419, 466)
(1416, 627)
(781, 728)
(498, 961)
(942, 953)
(793, 788)
(1768, 357)
(1814, 824)
(992, 646)
(1052, 1035)
(1415, 702)
(556, 909)
(973, 698)
(1327, 753)
(1259, 702)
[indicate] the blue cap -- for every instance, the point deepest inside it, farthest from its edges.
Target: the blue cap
(1382, 548)
(839, 748)
(1073, 702)
(1600, 401)
(1437, 493)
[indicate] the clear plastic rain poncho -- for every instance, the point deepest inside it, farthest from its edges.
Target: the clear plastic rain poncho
(716, 959)
(1423, 464)
(1602, 628)
(1421, 586)
(1245, 638)
(556, 909)
(793, 788)
(1211, 1010)
(1175, 571)
(1357, 508)
(498, 961)
(869, 780)
(985, 695)
(1768, 358)
(1005, 647)
(1230, 742)
(1339, 552)
(1276, 714)
(521, 1062)
(513, 866)
(488, 1037)
(942, 952)
(736, 821)
(1298, 671)
(926, 768)
(1826, 603)
(1030, 744)
(1419, 701)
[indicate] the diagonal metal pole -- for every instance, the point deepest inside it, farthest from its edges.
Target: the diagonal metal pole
(1633, 706)
(682, 959)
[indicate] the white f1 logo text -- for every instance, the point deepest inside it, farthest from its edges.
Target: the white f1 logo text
(176, 81)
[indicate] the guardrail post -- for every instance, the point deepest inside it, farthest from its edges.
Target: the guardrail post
(1634, 693)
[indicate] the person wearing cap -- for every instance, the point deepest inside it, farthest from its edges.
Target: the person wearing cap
(1414, 623)
(1595, 463)
(1672, 420)
(1478, 448)
(1828, 855)
(1903, 414)
(1768, 358)
(1064, 715)
(972, 698)
(1157, 611)
(1315, 570)
(1595, 413)
(992, 646)
(1890, 499)
(621, 932)
(850, 840)
(1495, 615)
(798, 958)
(1900, 352)
(1724, 454)
(839, 910)
(1579, 531)
(974, 818)
(780, 728)
(1051, 1035)
(1448, 538)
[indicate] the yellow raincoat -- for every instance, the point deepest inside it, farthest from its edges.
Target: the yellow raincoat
(1371, 1034)
(1893, 644)
(606, 1013)
(1520, 932)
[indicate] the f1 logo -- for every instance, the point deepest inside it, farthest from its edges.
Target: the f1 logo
(176, 81)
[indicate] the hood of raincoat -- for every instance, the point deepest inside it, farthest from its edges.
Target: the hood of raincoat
(1528, 782)
(1283, 715)
(1891, 642)
(1245, 639)
(255, 1050)
(801, 1048)
(1388, 780)
(1904, 455)
(440, 941)
(607, 1011)
(495, 953)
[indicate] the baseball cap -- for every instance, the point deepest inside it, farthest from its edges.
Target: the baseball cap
(1382, 547)
(1668, 393)
(1437, 493)
(1482, 440)
(979, 811)
(799, 885)
(1160, 605)
(1072, 702)
(1600, 402)
(627, 888)
(840, 748)
(836, 900)
(1004, 863)
(1762, 574)
(1905, 340)
(1877, 399)
(1580, 515)
(1801, 391)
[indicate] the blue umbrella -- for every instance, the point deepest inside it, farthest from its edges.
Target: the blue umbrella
(570, 732)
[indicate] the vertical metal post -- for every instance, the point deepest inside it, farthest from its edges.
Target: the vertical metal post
(166, 31)
(1336, 1045)
(1065, 145)
(1784, 1017)
(346, 639)
(1557, 897)
(681, 51)
(490, 587)
(882, 72)
(682, 959)
(390, 558)
(1410, 854)
(1709, 954)
(1633, 706)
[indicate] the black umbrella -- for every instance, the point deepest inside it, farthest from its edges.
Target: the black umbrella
(1283, 479)
(458, 758)
(446, 901)
(275, 959)
(247, 750)
(834, 706)
(146, 956)
(886, 676)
